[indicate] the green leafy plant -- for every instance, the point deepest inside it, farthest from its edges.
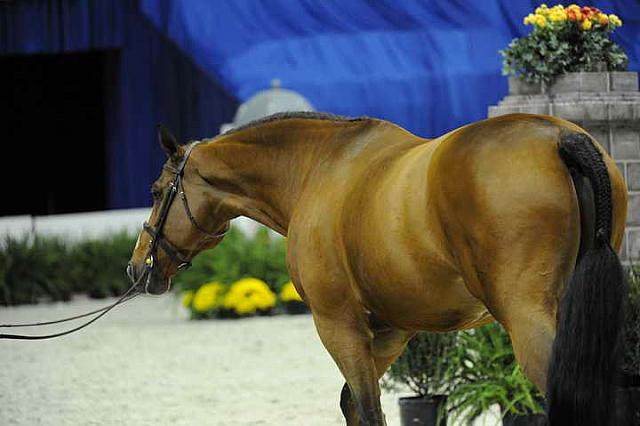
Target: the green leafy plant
(236, 257)
(564, 40)
(97, 267)
(487, 374)
(631, 359)
(34, 269)
(46, 268)
(424, 366)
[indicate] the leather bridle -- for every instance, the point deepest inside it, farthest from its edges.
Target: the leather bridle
(155, 231)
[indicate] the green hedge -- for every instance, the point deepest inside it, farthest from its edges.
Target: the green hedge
(47, 268)
(238, 256)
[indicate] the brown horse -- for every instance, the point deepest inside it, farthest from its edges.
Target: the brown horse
(509, 219)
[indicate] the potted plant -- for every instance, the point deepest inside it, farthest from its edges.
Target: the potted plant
(424, 368)
(291, 300)
(628, 398)
(487, 374)
(563, 40)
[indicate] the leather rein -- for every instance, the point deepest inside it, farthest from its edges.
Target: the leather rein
(157, 240)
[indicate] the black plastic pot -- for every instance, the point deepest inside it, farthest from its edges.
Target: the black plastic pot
(421, 411)
(531, 420)
(628, 401)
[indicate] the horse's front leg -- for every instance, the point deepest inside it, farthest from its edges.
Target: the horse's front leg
(346, 334)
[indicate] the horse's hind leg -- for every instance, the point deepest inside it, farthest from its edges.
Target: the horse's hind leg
(388, 343)
(532, 330)
(362, 355)
(523, 297)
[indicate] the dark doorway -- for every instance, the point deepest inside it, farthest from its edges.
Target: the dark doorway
(52, 119)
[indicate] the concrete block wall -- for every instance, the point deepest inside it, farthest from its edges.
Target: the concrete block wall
(607, 105)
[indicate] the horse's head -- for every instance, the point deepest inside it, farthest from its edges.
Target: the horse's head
(183, 221)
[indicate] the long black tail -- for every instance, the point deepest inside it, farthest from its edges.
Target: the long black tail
(584, 363)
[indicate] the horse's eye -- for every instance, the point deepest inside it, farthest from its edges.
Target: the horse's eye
(156, 194)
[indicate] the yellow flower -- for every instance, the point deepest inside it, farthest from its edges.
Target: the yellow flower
(542, 10)
(248, 295)
(540, 21)
(603, 19)
(615, 20)
(586, 24)
(187, 298)
(206, 298)
(289, 293)
(558, 16)
(557, 8)
(529, 19)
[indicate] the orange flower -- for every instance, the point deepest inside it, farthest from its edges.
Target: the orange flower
(603, 20)
(579, 15)
(571, 15)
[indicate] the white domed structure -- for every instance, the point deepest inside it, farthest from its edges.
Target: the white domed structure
(267, 102)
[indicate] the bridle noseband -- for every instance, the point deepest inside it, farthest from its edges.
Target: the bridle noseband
(157, 239)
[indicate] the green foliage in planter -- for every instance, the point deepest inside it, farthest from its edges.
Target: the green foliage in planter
(563, 41)
(486, 374)
(33, 269)
(98, 266)
(236, 257)
(631, 362)
(425, 365)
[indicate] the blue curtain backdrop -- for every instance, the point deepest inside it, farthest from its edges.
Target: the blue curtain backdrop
(429, 66)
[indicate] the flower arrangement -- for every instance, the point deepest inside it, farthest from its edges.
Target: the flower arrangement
(249, 296)
(564, 39)
(293, 303)
(207, 298)
(245, 297)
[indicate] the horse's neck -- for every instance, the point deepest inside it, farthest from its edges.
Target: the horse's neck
(263, 169)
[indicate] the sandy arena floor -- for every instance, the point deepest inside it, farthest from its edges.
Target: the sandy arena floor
(146, 364)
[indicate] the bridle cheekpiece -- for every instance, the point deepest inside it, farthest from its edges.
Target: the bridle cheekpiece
(155, 231)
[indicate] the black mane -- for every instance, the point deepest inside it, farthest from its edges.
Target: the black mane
(309, 115)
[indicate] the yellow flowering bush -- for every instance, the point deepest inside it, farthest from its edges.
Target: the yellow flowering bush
(564, 39)
(207, 297)
(249, 296)
(288, 293)
(187, 298)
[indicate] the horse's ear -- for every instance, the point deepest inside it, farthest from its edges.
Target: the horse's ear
(168, 142)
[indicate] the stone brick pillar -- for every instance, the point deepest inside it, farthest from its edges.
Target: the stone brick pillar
(607, 105)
